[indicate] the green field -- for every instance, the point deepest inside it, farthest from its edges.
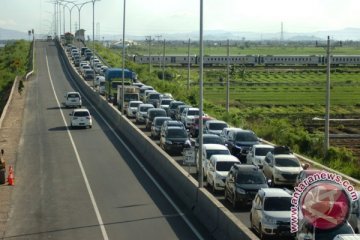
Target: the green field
(277, 104)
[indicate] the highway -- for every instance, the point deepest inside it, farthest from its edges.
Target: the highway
(84, 183)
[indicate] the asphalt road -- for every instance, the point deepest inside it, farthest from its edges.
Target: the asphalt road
(84, 183)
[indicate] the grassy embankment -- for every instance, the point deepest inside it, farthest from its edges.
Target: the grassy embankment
(14, 60)
(275, 104)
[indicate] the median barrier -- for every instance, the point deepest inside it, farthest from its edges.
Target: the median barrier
(210, 212)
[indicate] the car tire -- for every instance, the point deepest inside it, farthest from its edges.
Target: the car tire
(272, 182)
(234, 202)
(226, 195)
(252, 226)
(262, 235)
(213, 187)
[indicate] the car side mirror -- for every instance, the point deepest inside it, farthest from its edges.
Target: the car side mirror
(268, 182)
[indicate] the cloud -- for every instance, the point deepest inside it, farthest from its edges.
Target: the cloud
(8, 23)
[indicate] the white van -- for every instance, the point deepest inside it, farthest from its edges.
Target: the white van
(218, 169)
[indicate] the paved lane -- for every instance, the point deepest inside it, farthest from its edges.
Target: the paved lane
(52, 198)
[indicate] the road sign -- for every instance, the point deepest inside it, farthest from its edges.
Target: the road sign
(189, 156)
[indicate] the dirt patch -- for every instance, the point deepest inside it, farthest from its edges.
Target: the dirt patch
(10, 133)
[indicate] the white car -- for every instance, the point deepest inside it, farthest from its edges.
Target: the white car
(80, 118)
(257, 153)
(219, 167)
(270, 213)
(208, 151)
(281, 166)
(215, 126)
(132, 108)
(141, 113)
(72, 99)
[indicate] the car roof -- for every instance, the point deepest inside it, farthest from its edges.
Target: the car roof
(156, 118)
(136, 101)
(210, 135)
(247, 167)
(274, 192)
(81, 110)
(192, 108)
(262, 146)
(215, 121)
(146, 105)
(224, 158)
(73, 93)
(214, 146)
(279, 156)
(156, 109)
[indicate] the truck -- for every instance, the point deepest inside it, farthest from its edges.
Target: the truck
(113, 77)
(131, 93)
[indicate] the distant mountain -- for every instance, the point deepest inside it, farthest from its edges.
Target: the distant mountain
(6, 34)
(217, 35)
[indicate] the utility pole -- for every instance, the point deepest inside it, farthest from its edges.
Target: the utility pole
(201, 93)
(163, 65)
(189, 63)
(328, 48)
(148, 39)
(227, 77)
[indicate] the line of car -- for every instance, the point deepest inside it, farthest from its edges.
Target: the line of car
(235, 162)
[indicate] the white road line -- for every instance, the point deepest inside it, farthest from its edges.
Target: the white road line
(97, 212)
(173, 204)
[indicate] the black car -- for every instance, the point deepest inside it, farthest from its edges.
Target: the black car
(240, 141)
(156, 126)
(152, 113)
(242, 183)
(173, 139)
(308, 232)
(210, 139)
(172, 108)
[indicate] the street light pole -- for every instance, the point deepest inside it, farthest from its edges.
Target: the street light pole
(227, 78)
(123, 63)
(327, 111)
(201, 174)
(148, 38)
(189, 62)
(163, 65)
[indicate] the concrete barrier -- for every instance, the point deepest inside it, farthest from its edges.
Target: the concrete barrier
(210, 212)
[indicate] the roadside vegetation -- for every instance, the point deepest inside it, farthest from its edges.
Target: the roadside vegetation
(15, 60)
(276, 104)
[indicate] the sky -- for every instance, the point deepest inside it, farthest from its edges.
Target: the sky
(157, 17)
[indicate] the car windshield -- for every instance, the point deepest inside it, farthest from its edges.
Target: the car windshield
(166, 101)
(134, 104)
(224, 166)
(217, 126)
(81, 114)
(74, 95)
(246, 137)
(277, 204)
(177, 133)
(154, 96)
(144, 109)
(262, 151)
(287, 162)
(250, 178)
(209, 153)
(193, 112)
(210, 140)
(176, 104)
(160, 121)
(131, 97)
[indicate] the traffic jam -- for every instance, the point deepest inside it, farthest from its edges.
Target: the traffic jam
(266, 186)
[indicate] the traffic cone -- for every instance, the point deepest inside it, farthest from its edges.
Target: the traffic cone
(11, 178)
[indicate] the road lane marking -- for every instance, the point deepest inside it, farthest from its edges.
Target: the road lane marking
(173, 204)
(93, 201)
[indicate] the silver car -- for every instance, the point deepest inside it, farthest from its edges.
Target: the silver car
(270, 213)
